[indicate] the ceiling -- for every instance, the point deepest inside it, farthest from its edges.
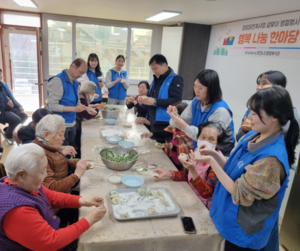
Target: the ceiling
(193, 11)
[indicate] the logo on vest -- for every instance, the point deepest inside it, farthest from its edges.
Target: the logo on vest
(240, 164)
(168, 83)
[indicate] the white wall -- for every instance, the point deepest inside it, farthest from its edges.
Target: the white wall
(171, 45)
(238, 76)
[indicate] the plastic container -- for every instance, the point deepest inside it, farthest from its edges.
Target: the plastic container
(132, 181)
(114, 178)
(113, 139)
(111, 121)
(126, 144)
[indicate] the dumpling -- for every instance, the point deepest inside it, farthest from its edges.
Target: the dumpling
(149, 191)
(160, 193)
(151, 211)
(164, 202)
(154, 193)
(124, 215)
(115, 200)
(141, 191)
(183, 156)
(115, 196)
(113, 192)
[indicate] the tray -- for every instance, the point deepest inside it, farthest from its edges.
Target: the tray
(112, 131)
(136, 205)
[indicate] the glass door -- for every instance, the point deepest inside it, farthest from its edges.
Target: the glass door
(22, 67)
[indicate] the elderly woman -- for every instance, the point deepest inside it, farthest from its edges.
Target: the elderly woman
(50, 136)
(26, 219)
(86, 95)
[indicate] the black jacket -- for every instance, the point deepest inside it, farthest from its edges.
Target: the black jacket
(26, 133)
(175, 95)
(3, 102)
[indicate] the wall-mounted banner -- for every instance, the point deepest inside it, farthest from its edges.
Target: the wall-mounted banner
(274, 36)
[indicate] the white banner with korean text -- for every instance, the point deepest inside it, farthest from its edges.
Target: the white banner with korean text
(272, 36)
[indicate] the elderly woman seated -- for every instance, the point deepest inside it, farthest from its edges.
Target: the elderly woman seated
(86, 95)
(50, 136)
(26, 218)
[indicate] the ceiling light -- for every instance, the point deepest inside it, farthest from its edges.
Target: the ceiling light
(26, 3)
(162, 16)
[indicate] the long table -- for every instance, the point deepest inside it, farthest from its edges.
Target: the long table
(149, 234)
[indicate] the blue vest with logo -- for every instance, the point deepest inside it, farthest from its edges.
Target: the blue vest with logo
(249, 227)
(200, 117)
(117, 91)
(93, 77)
(161, 112)
(69, 98)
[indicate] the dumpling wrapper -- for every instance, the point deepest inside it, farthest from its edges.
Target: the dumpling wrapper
(144, 96)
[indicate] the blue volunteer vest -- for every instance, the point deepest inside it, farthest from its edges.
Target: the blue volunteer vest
(228, 218)
(93, 77)
(161, 112)
(247, 113)
(69, 98)
(117, 91)
(200, 117)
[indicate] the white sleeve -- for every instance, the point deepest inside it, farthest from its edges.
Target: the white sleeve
(108, 81)
(83, 78)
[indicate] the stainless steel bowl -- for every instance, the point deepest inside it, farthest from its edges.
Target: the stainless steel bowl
(118, 166)
(106, 114)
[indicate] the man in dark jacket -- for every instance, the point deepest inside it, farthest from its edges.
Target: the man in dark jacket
(11, 111)
(166, 89)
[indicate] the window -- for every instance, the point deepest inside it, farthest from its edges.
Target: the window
(140, 53)
(31, 20)
(59, 46)
(106, 41)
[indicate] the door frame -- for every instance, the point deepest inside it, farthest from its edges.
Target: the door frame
(38, 47)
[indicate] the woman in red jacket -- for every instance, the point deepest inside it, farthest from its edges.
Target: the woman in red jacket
(27, 221)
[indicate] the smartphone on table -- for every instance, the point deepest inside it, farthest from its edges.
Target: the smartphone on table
(188, 225)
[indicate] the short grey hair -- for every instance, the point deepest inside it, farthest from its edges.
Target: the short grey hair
(25, 157)
(88, 86)
(49, 123)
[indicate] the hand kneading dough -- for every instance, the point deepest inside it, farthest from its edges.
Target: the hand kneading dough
(151, 211)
